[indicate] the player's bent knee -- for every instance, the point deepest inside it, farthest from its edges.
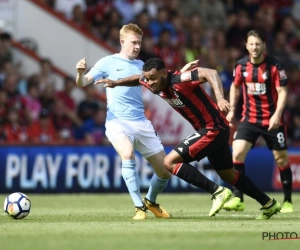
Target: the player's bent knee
(238, 156)
(282, 162)
(168, 164)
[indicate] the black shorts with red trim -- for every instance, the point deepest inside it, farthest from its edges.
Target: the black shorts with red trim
(212, 144)
(276, 139)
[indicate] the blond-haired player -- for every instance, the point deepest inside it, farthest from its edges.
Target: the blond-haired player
(126, 125)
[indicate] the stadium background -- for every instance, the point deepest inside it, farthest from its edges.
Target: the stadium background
(40, 46)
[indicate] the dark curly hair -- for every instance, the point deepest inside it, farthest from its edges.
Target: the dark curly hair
(153, 63)
(256, 33)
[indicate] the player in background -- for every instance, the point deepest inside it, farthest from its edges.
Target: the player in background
(183, 91)
(126, 125)
(264, 87)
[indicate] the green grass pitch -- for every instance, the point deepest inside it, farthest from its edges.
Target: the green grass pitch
(104, 222)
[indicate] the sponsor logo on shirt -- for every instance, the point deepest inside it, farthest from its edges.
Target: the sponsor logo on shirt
(256, 88)
(175, 102)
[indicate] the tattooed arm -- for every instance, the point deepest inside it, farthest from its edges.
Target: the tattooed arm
(211, 76)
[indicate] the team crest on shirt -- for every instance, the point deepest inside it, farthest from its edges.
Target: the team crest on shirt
(282, 74)
(265, 75)
(186, 76)
(245, 74)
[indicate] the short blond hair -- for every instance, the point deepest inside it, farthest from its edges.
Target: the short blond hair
(130, 28)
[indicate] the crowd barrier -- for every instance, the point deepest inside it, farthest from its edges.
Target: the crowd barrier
(72, 169)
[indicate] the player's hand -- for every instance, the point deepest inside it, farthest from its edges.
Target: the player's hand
(230, 117)
(274, 122)
(81, 66)
(190, 66)
(224, 106)
(107, 83)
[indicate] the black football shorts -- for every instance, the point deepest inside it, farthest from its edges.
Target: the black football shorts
(276, 139)
(212, 144)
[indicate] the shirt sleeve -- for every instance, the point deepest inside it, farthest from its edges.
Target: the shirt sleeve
(237, 75)
(280, 77)
(186, 79)
(99, 70)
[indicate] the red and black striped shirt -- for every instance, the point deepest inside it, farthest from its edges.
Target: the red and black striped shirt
(187, 97)
(259, 83)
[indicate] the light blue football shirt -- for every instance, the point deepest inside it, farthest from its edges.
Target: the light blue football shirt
(124, 103)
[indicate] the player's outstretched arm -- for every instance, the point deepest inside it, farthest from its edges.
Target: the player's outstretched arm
(212, 77)
(128, 81)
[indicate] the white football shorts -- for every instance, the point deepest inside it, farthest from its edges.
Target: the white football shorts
(141, 133)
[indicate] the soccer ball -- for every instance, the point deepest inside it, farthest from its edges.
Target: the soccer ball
(17, 205)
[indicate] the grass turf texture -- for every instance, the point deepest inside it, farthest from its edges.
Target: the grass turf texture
(91, 221)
